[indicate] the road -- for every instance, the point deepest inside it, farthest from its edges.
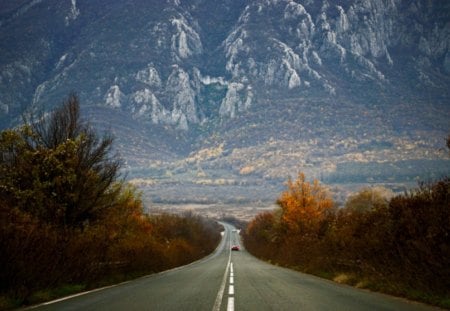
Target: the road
(229, 280)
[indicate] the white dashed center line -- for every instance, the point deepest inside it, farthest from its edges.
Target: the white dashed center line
(229, 268)
(231, 290)
(229, 265)
(230, 306)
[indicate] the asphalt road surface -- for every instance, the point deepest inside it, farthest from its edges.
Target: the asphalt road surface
(231, 280)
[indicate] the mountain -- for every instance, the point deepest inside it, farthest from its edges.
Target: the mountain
(215, 101)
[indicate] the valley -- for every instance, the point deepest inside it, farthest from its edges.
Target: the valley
(220, 102)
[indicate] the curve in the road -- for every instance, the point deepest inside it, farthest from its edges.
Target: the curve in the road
(228, 280)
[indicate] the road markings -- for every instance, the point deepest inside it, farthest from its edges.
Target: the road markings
(231, 290)
(219, 296)
(230, 306)
(76, 295)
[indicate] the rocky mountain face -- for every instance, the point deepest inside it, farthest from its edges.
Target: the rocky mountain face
(240, 92)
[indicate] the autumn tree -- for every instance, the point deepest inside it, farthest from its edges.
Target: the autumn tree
(66, 217)
(304, 205)
(260, 236)
(58, 169)
(397, 241)
(420, 230)
(369, 198)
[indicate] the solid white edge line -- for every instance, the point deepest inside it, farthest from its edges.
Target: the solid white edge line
(219, 296)
(75, 295)
(122, 283)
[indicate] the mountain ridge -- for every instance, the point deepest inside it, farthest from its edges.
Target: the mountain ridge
(327, 82)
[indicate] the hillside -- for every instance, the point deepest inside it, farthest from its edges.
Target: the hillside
(221, 101)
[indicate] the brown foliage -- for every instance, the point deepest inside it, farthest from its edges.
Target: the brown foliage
(420, 231)
(37, 255)
(65, 219)
(292, 234)
(403, 241)
(259, 236)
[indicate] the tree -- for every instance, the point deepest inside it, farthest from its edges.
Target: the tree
(259, 235)
(304, 205)
(368, 199)
(58, 169)
(420, 230)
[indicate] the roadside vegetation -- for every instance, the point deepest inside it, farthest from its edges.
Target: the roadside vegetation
(68, 222)
(398, 245)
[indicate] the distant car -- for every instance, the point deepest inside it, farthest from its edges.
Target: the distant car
(235, 248)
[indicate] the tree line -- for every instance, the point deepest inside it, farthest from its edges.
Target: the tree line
(398, 245)
(68, 217)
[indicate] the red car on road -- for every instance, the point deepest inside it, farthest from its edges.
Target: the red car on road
(235, 248)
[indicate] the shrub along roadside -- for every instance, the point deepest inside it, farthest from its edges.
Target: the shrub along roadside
(67, 220)
(399, 246)
(41, 262)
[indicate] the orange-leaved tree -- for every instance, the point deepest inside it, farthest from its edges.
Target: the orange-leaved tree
(304, 206)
